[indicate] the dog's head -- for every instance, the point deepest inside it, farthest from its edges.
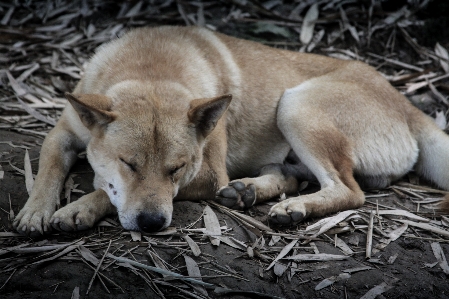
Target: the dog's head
(143, 153)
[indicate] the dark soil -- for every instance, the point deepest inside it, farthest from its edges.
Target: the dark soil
(408, 275)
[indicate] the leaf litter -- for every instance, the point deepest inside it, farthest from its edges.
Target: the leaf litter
(45, 61)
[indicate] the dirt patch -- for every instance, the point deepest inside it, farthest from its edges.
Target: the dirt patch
(409, 275)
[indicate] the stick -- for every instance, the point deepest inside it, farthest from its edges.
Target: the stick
(161, 271)
(369, 237)
(98, 267)
(8, 279)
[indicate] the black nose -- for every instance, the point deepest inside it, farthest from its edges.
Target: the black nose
(150, 222)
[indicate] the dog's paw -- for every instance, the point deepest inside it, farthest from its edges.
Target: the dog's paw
(287, 212)
(237, 195)
(34, 219)
(74, 217)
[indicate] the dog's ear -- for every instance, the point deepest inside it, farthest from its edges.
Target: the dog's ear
(93, 109)
(205, 113)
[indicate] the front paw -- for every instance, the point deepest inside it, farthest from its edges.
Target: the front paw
(287, 212)
(34, 219)
(237, 195)
(74, 217)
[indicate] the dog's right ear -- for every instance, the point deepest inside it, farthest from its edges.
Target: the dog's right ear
(94, 110)
(205, 113)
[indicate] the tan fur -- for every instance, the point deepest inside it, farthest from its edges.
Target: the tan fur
(149, 110)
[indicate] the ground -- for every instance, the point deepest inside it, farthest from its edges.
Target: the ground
(32, 269)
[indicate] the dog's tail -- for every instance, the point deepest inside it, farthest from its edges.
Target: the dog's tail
(433, 160)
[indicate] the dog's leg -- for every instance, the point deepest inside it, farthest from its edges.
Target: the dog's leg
(58, 153)
(274, 179)
(83, 213)
(326, 151)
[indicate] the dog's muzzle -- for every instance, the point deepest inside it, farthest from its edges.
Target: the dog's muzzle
(150, 222)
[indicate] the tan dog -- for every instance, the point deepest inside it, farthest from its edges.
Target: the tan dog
(155, 113)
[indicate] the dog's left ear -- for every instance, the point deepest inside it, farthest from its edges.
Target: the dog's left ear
(93, 109)
(205, 113)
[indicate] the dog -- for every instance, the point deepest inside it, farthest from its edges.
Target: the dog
(174, 113)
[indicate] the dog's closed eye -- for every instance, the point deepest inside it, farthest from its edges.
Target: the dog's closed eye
(176, 169)
(131, 166)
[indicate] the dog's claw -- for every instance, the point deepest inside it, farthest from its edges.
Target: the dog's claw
(249, 198)
(297, 216)
(239, 186)
(287, 212)
(74, 217)
(33, 219)
(229, 193)
(236, 195)
(66, 227)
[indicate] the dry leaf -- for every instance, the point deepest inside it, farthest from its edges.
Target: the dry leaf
(348, 26)
(65, 251)
(263, 27)
(392, 258)
(194, 270)
(161, 271)
(440, 120)
(439, 254)
(166, 232)
(390, 19)
(29, 181)
(37, 249)
(279, 269)
(426, 226)
(308, 24)
(76, 293)
(329, 281)
(354, 240)
(158, 262)
(36, 114)
(376, 291)
(357, 269)
(314, 247)
(69, 185)
(193, 246)
(394, 235)
(442, 52)
(134, 10)
(88, 255)
(332, 221)
(283, 253)
(321, 257)
(250, 294)
(343, 246)
(274, 240)
(136, 236)
(403, 213)
(232, 242)
(212, 225)
(250, 220)
(315, 40)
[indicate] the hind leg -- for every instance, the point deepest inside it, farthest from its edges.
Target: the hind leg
(326, 152)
